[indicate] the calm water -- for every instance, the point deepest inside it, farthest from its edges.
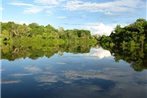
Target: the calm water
(68, 75)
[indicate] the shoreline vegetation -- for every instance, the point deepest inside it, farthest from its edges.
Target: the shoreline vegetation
(23, 34)
(128, 43)
(20, 40)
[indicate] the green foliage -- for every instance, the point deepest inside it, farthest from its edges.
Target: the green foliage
(129, 43)
(13, 32)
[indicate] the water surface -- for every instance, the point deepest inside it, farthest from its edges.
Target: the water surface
(91, 74)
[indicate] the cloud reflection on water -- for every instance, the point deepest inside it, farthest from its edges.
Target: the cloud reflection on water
(97, 78)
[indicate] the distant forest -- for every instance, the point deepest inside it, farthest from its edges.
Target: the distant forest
(22, 33)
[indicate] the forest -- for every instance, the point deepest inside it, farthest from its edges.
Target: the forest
(35, 33)
(133, 35)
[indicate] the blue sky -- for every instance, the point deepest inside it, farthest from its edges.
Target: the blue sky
(99, 16)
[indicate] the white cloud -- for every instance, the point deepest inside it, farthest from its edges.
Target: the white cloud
(99, 28)
(33, 10)
(36, 9)
(106, 7)
(47, 2)
(21, 4)
(29, 8)
(61, 17)
(37, 6)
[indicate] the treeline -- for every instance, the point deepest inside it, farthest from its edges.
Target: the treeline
(12, 32)
(128, 43)
(134, 34)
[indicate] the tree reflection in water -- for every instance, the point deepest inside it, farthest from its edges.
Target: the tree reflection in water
(136, 56)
